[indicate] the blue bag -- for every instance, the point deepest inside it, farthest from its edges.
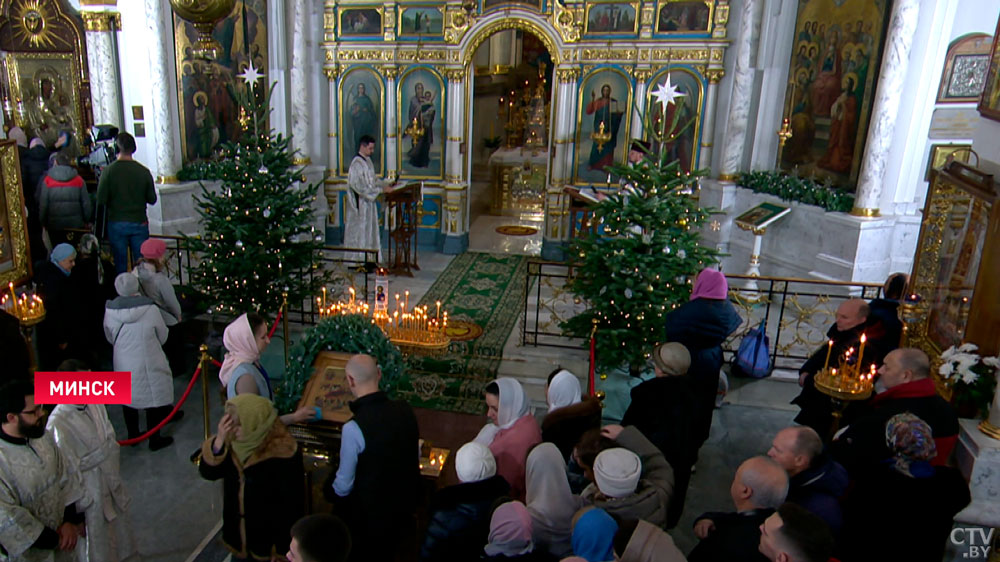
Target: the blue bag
(753, 358)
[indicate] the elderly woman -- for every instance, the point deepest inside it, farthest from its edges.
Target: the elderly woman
(569, 414)
(510, 535)
(134, 327)
(59, 334)
(550, 502)
(512, 432)
(261, 466)
(153, 280)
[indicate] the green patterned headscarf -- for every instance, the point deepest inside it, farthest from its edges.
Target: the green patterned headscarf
(255, 416)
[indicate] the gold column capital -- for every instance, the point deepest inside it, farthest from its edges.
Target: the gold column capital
(567, 74)
(715, 75)
(101, 21)
(331, 73)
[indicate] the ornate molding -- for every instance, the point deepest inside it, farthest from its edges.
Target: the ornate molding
(681, 54)
(331, 72)
(568, 21)
(421, 55)
(390, 72)
(455, 74)
(648, 14)
(456, 23)
(642, 74)
(721, 19)
(360, 55)
(455, 139)
(714, 75)
(567, 74)
(605, 54)
(101, 21)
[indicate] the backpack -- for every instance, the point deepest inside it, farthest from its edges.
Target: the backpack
(753, 358)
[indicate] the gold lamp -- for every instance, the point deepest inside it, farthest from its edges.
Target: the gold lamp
(415, 130)
(600, 136)
(204, 14)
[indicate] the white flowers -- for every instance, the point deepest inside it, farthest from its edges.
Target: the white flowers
(959, 364)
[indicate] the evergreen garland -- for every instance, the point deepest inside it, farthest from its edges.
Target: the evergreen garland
(347, 334)
(803, 190)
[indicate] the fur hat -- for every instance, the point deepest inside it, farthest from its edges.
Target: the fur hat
(672, 358)
(617, 472)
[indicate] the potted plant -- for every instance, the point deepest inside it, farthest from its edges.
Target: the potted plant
(971, 377)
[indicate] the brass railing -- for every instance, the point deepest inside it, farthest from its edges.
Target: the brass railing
(796, 313)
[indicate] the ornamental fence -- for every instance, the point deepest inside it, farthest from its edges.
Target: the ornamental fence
(796, 313)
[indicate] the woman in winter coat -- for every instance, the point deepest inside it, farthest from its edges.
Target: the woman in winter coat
(512, 433)
(261, 467)
(154, 283)
(59, 335)
(133, 325)
(702, 325)
(460, 514)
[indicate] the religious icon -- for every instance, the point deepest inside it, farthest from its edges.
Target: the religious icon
(421, 20)
(684, 17)
(682, 117)
(605, 102)
(611, 18)
(361, 100)
(49, 98)
(360, 21)
(421, 130)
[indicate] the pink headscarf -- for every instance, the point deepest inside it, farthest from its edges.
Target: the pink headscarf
(510, 530)
(710, 284)
(241, 347)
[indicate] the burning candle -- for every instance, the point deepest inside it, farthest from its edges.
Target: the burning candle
(324, 296)
(13, 296)
(861, 351)
(829, 350)
(406, 301)
(352, 295)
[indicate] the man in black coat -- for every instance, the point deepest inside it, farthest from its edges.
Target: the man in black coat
(886, 308)
(17, 361)
(816, 481)
(793, 533)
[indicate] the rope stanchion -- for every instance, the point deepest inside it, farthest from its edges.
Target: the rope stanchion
(281, 314)
(274, 326)
(144, 436)
(592, 366)
(203, 359)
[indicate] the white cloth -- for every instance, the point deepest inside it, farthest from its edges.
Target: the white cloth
(360, 210)
(135, 328)
(564, 390)
(86, 439)
(550, 501)
(36, 485)
(474, 462)
(617, 472)
(513, 405)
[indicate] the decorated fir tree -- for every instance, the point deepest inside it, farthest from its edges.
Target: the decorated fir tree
(642, 261)
(257, 236)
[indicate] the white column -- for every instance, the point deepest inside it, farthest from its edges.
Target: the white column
(708, 121)
(739, 106)
(102, 59)
(333, 134)
(455, 133)
(277, 65)
(638, 127)
(563, 128)
(300, 83)
(892, 74)
(160, 51)
(391, 134)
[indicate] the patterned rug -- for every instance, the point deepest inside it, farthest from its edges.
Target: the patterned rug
(481, 290)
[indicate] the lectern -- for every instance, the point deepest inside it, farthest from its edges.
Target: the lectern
(402, 204)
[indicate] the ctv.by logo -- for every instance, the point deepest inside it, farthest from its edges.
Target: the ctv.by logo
(977, 540)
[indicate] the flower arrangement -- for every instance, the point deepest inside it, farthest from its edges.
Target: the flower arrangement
(971, 377)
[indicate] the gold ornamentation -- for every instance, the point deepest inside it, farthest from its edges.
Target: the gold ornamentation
(204, 14)
(684, 55)
(455, 139)
(456, 22)
(567, 74)
(98, 2)
(863, 212)
(390, 72)
(455, 75)
(568, 21)
(605, 54)
(728, 177)
(331, 73)
(359, 55)
(717, 54)
(714, 75)
(167, 180)
(648, 14)
(722, 15)
(15, 218)
(301, 161)
(421, 55)
(101, 21)
(502, 25)
(642, 74)
(330, 22)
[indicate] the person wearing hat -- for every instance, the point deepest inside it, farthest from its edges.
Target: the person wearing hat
(460, 515)
(58, 333)
(632, 480)
(154, 283)
(663, 409)
(570, 413)
(134, 327)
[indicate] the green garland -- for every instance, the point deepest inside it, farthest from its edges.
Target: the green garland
(347, 334)
(803, 190)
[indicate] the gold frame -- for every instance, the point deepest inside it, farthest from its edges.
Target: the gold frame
(402, 12)
(663, 3)
(991, 91)
(635, 21)
(327, 360)
(12, 203)
(401, 123)
(342, 115)
(940, 153)
(14, 61)
(700, 80)
(381, 21)
(629, 110)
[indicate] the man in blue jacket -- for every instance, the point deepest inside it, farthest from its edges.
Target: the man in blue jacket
(816, 481)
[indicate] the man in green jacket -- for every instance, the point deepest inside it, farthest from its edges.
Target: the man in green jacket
(125, 188)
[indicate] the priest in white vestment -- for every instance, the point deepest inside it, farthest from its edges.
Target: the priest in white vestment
(87, 440)
(360, 210)
(42, 499)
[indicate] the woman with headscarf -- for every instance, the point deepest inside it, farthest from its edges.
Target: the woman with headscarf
(702, 325)
(59, 333)
(570, 415)
(594, 536)
(460, 514)
(136, 331)
(260, 464)
(550, 501)
(153, 280)
(512, 432)
(510, 535)
(94, 280)
(246, 339)
(903, 497)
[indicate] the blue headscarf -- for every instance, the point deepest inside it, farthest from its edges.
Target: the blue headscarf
(594, 536)
(61, 252)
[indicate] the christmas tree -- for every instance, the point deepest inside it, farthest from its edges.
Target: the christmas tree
(257, 240)
(642, 261)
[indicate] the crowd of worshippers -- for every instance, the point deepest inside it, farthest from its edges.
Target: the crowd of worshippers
(562, 489)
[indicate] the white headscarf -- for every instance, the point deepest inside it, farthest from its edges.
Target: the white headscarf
(513, 405)
(474, 462)
(564, 390)
(549, 499)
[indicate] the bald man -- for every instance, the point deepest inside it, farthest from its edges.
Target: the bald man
(816, 481)
(376, 485)
(851, 321)
(759, 487)
(904, 384)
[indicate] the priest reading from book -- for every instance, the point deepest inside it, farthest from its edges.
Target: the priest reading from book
(361, 209)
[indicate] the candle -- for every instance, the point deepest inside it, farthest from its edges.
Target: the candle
(13, 296)
(324, 296)
(861, 351)
(829, 350)
(406, 302)
(352, 295)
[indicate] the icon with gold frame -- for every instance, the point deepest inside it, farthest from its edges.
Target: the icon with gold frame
(15, 261)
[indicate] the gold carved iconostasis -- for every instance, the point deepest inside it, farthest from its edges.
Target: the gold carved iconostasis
(405, 68)
(45, 87)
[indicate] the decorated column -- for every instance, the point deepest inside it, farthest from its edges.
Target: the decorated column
(160, 49)
(102, 24)
(708, 124)
(333, 156)
(642, 76)
(455, 225)
(735, 137)
(301, 117)
(563, 133)
(391, 135)
(892, 74)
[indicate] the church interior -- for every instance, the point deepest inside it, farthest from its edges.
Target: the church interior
(453, 212)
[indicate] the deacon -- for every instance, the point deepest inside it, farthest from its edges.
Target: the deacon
(360, 210)
(41, 497)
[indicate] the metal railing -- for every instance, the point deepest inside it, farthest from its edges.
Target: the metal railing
(796, 313)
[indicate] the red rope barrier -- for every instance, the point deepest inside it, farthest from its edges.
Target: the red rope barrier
(215, 362)
(144, 436)
(275, 325)
(590, 375)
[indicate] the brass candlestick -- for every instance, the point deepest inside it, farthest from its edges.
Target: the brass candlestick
(600, 136)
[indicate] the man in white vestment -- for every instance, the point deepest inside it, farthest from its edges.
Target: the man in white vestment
(42, 500)
(86, 439)
(360, 209)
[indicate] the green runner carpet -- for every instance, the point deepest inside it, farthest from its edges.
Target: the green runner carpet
(487, 291)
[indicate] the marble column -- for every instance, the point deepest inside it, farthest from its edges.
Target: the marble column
(301, 118)
(102, 59)
(708, 122)
(735, 141)
(556, 230)
(642, 76)
(892, 74)
(456, 225)
(160, 50)
(333, 130)
(391, 156)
